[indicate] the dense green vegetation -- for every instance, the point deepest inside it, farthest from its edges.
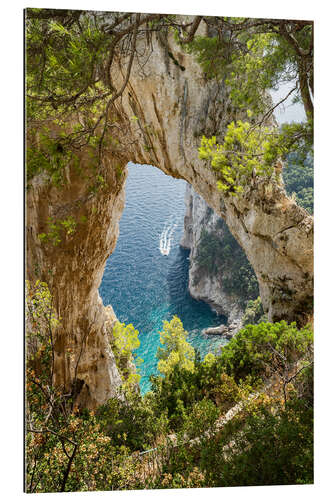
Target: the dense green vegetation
(254, 56)
(176, 351)
(298, 179)
(224, 256)
(266, 369)
(124, 341)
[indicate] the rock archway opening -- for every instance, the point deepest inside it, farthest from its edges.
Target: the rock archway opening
(146, 278)
(159, 120)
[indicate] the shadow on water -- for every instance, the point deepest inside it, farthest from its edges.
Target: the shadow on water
(194, 314)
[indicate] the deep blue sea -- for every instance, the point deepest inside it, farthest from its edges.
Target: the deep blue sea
(144, 286)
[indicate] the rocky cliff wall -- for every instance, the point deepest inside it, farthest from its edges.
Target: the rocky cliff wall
(203, 285)
(274, 232)
(158, 120)
(73, 269)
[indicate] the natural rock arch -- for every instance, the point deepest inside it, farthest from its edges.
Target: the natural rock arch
(158, 120)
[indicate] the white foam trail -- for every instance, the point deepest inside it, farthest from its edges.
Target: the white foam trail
(162, 239)
(166, 238)
(168, 246)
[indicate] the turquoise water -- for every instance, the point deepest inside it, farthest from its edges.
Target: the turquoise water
(144, 286)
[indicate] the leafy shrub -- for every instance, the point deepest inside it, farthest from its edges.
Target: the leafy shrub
(181, 389)
(226, 392)
(268, 447)
(132, 422)
(124, 341)
(243, 152)
(209, 256)
(177, 352)
(200, 419)
(254, 347)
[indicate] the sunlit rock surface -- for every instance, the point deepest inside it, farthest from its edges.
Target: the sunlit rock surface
(159, 120)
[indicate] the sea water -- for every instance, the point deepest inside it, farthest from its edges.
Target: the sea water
(146, 278)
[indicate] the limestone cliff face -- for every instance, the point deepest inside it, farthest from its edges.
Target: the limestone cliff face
(73, 270)
(274, 232)
(203, 285)
(173, 105)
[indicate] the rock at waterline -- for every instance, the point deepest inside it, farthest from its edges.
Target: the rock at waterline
(223, 330)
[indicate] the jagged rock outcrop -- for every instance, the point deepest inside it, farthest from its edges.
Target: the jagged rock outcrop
(202, 284)
(173, 105)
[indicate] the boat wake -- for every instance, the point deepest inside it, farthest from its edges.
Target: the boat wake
(166, 237)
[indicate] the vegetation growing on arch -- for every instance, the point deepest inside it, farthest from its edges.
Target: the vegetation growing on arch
(59, 228)
(71, 57)
(242, 155)
(253, 56)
